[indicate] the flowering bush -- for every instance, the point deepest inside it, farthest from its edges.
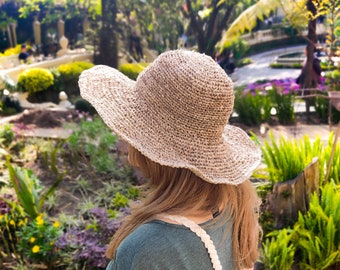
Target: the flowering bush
(88, 244)
(12, 218)
(71, 71)
(11, 51)
(34, 80)
(254, 103)
(37, 239)
(67, 75)
(132, 70)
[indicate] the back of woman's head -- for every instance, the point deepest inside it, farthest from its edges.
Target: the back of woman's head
(175, 189)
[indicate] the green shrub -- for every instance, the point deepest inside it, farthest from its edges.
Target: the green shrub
(6, 135)
(327, 65)
(252, 108)
(36, 240)
(11, 51)
(283, 101)
(92, 139)
(132, 70)
(67, 76)
(34, 80)
(321, 105)
(83, 105)
(71, 71)
(333, 80)
(287, 158)
(239, 47)
(294, 65)
(244, 62)
(315, 239)
(278, 251)
(317, 232)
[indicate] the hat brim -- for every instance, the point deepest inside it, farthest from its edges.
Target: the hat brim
(231, 160)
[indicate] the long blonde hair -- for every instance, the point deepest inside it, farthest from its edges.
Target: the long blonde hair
(179, 191)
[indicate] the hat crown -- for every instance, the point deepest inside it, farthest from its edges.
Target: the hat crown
(188, 89)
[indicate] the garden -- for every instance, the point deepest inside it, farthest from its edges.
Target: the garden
(62, 199)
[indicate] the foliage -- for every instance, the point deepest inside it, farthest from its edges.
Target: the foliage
(278, 250)
(92, 139)
(209, 20)
(239, 47)
(286, 159)
(67, 76)
(160, 22)
(34, 80)
(330, 10)
(12, 218)
(321, 105)
(132, 70)
(317, 232)
(83, 106)
(9, 105)
(6, 135)
(262, 97)
(283, 101)
(28, 189)
(71, 71)
(244, 62)
(52, 13)
(89, 243)
(333, 80)
(36, 240)
(252, 108)
(247, 20)
(325, 154)
(294, 65)
(314, 241)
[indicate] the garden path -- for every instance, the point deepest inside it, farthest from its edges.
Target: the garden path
(259, 69)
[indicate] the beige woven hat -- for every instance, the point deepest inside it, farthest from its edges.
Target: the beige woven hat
(176, 113)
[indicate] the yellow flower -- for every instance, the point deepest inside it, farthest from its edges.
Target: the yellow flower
(32, 239)
(12, 222)
(35, 249)
(51, 243)
(56, 224)
(39, 220)
(21, 222)
(1, 217)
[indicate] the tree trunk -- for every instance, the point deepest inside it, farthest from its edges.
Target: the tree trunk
(312, 39)
(289, 198)
(108, 47)
(209, 32)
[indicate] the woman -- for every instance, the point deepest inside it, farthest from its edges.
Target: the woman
(200, 208)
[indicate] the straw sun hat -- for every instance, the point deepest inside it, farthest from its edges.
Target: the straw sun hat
(176, 114)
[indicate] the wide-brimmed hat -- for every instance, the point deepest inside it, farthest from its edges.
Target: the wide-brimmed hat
(176, 113)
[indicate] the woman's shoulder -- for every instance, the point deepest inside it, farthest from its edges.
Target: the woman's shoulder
(161, 245)
(153, 235)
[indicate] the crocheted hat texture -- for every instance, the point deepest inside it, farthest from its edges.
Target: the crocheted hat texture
(176, 113)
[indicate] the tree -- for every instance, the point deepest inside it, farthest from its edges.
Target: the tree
(157, 22)
(108, 47)
(207, 22)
